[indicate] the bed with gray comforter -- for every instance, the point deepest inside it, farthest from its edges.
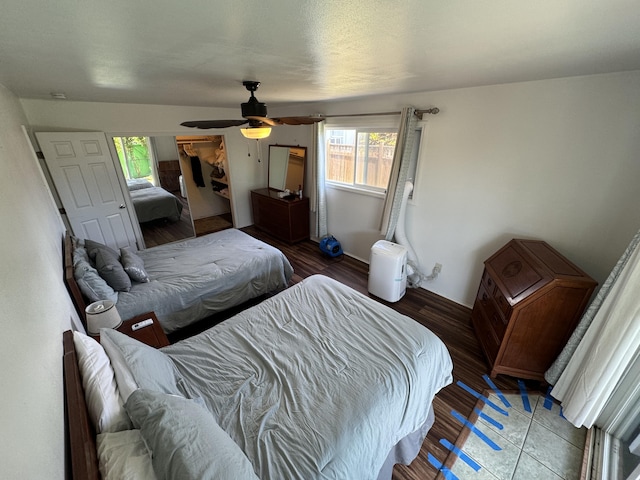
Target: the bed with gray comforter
(152, 203)
(318, 381)
(195, 278)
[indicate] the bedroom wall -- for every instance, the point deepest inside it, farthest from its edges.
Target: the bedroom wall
(156, 120)
(35, 309)
(552, 159)
(165, 148)
(557, 160)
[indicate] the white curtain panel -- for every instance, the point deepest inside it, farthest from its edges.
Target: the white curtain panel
(399, 171)
(600, 363)
(318, 170)
(553, 374)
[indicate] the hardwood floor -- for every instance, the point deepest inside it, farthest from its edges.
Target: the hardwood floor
(450, 321)
(161, 231)
(206, 225)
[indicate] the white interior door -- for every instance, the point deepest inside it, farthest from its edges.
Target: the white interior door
(85, 177)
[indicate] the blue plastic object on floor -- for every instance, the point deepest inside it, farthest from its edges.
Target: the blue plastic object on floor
(330, 246)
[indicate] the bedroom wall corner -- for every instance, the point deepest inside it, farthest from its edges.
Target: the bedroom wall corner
(554, 159)
(36, 309)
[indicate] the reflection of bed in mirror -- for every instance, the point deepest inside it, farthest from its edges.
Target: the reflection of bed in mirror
(152, 203)
(286, 167)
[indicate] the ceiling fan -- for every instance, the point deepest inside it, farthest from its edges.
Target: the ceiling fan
(255, 114)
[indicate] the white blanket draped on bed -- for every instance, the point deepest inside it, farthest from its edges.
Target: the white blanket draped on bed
(319, 381)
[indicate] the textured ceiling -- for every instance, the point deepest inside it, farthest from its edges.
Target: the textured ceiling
(198, 52)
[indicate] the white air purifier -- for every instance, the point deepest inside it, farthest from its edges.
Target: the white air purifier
(388, 270)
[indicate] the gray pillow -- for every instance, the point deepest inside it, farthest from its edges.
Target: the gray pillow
(133, 265)
(94, 247)
(137, 365)
(185, 440)
(110, 268)
(91, 284)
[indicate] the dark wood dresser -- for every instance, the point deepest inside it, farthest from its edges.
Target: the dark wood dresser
(529, 301)
(286, 220)
(169, 173)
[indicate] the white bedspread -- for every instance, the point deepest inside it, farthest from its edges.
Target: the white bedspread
(319, 381)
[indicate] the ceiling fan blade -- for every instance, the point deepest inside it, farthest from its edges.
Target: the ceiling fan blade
(287, 120)
(297, 120)
(204, 124)
(263, 120)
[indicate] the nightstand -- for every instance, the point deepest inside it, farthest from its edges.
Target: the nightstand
(152, 335)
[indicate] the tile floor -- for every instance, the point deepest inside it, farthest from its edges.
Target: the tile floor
(535, 445)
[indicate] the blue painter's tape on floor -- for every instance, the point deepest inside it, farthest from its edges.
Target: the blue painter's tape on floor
(475, 430)
(448, 474)
(561, 414)
(487, 418)
(461, 455)
(548, 401)
(525, 396)
(483, 398)
(497, 390)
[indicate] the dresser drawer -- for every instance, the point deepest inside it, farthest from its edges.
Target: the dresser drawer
(486, 335)
(285, 219)
(495, 320)
(503, 304)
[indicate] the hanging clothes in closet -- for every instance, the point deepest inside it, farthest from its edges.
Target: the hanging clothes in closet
(196, 167)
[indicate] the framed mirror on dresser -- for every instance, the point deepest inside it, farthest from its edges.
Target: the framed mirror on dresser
(286, 167)
(281, 209)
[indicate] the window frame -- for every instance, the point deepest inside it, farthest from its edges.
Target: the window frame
(376, 124)
(373, 124)
(155, 180)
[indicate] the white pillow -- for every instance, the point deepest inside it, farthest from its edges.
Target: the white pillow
(124, 456)
(100, 390)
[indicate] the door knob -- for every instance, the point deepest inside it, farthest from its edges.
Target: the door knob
(122, 205)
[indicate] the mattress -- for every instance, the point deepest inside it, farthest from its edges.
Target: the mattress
(153, 203)
(198, 277)
(318, 381)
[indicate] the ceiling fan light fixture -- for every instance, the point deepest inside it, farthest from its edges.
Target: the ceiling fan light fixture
(256, 133)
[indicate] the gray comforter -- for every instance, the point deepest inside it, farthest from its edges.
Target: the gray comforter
(319, 381)
(153, 203)
(198, 277)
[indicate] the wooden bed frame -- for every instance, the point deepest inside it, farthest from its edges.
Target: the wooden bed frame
(80, 436)
(69, 279)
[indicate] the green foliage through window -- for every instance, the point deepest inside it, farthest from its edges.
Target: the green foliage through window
(135, 156)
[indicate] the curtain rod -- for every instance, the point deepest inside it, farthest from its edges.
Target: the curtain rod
(417, 113)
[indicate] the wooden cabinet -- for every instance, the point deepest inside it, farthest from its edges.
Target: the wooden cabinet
(169, 174)
(286, 220)
(529, 301)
